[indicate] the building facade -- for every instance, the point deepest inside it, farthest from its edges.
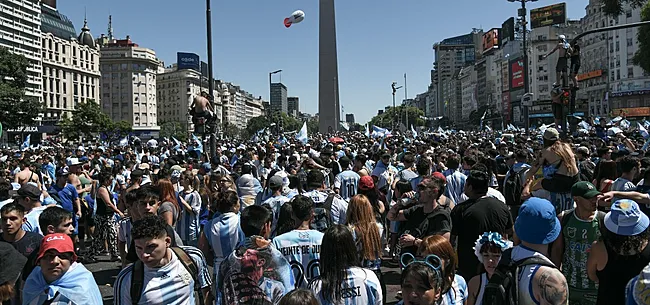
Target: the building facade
(293, 106)
(20, 33)
(128, 86)
(467, 78)
(279, 98)
(70, 66)
(594, 73)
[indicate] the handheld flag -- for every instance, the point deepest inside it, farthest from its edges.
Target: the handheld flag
(125, 141)
(26, 144)
(483, 118)
(199, 144)
(302, 134)
(368, 130)
(643, 131)
(415, 134)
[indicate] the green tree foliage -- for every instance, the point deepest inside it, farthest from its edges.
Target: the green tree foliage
(118, 130)
(642, 56)
(282, 121)
(256, 124)
(398, 115)
(16, 109)
(231, 131)
(88, 120)
(312, 127)
(173, 129)
(613, 8)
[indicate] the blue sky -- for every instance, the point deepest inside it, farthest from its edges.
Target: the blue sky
(378, 40)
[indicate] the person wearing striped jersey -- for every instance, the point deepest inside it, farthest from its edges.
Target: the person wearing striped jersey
(302, 246)
(276, 201)
(223, 233)
(342, 280)
(166, 280)
(319, 195)
(346, 183)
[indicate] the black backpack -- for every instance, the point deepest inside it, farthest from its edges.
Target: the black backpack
(137, 275)
(323, 215)
(513, 187)
(503, 286)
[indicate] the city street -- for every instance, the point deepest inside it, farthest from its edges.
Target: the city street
(105, 273)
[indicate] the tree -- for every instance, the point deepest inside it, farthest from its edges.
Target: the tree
(87, 120)
(117, 130)
(173, 129)
(231, 130)
(256, 124)
(397, 115)
(16, 109)
(642, 56)
(312, 127)
(613, 8)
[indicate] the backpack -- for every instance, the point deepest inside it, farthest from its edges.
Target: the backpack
(503, 286)
(513, 187)
(323, 215)
(565, 219)
(137, 275)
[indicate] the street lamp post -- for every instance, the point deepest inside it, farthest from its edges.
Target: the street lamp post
(524, 26)
(394, 87)
(213, 124)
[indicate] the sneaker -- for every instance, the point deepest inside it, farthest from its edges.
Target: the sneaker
(398, 295)
(115, 258)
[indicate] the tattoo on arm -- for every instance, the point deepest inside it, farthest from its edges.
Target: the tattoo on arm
(553, 288)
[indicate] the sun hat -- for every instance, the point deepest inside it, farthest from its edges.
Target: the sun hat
(584, 189)
(640, 287)
(625, 218)
(62, 243)
(537, 222)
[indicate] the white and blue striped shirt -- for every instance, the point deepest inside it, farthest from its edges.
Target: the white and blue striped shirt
(171, 284)
(223, 234)
(188, 226)
(347, 183)
(302, 249)
(455, 186)
(31, 220)
(124, 234)
(361, 287)
(276, 203)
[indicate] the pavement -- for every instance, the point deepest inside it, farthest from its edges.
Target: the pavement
(106, 271)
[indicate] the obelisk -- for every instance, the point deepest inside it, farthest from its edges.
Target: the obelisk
(328, 71)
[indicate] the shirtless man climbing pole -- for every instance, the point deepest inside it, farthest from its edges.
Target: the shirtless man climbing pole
(562, 61)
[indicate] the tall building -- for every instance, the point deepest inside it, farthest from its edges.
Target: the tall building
(329, 107)
(593, 76)
(20, 33)
(349, 118)
(238, 105)
(70, 65)
(468, 88)
(128, 87)
(293, 106)
(279, 98)
(629, 84)
(176, 90)
(451, 55)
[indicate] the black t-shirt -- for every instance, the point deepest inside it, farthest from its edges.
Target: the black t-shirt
(27, 246)
(420, 224)
(471, 219)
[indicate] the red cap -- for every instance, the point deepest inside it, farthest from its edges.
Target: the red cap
(366, 183)
(59, 242)
(439, 175)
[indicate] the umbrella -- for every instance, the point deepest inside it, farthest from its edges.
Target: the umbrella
(337, 140)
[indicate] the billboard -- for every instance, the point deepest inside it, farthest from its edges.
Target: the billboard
(516, 74)
(188, 61)
(505, 76)
(491, 40)
(548, 15)
(506, 106)
(508, 30)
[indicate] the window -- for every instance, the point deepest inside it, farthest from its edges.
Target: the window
(618, 74)
(618, 46)
(628, 14)
(630, 72)
(630, 42)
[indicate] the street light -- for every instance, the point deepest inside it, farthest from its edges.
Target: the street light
(522, 13)
(394, 87)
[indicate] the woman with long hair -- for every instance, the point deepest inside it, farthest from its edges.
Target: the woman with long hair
(367, 235)
(285, 220)
(453, 286)
(189, 227)
(341, 280)
(605, 174)
(169, 207)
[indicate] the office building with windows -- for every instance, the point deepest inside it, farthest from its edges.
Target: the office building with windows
(279, 98)
(293, 106)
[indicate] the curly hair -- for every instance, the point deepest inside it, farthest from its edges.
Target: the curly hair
(149, 227)
(625, 245)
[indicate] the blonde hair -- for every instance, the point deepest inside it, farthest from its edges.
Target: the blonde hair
(361, 216)
(7, 291)
(565, 153)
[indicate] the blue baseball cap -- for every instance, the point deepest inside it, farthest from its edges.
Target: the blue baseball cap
(625, 218)
(537, 222)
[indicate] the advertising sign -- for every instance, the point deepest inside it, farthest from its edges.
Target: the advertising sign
(632, 112)
(491, 40)
(548, 15)
(591, 74)
(188, 61)
(516, 73)
(505, 77)
(508, 30)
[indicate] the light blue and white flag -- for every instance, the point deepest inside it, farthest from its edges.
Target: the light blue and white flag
(643, 131)
(124, 141)
(415, 133)
(597, 120)
(345, 126)
(302, 134)
(625, 124)
(368, 130)
(27, 142)
(378, 132)
(199, 144)
(584, 125)
(482, 118)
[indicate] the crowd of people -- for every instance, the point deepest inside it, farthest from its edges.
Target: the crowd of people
(468, 217)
